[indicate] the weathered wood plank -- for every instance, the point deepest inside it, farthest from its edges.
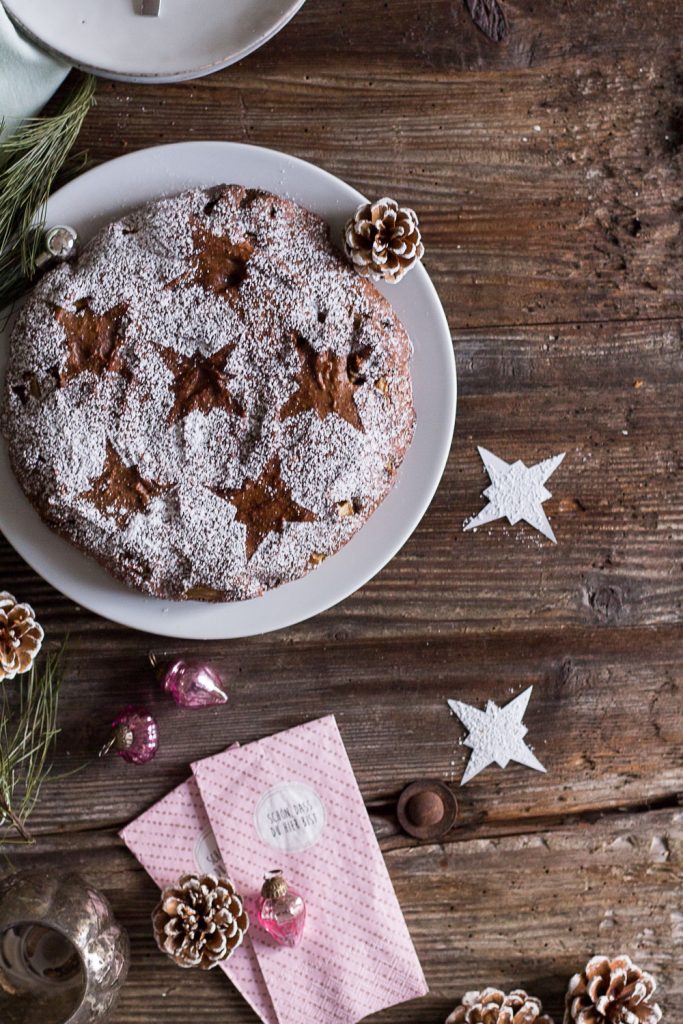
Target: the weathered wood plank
(547, 194)
(526, 909)
(605, 718)
(439, 35)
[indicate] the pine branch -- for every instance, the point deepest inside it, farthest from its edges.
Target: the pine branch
(31, 158)
(9, 814)
(26, 744)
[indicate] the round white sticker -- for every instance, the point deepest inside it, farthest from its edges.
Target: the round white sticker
(207, 855)
(290, 817)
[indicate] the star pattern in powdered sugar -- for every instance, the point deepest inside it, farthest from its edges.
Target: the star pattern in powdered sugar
(294, 282)
(121, 490)
(327, 383)
(200, 383)
(217, 264)
(93, 340)
(265, 505)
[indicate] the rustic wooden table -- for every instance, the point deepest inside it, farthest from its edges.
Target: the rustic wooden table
(547, 175)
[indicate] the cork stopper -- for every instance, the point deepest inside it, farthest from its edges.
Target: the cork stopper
(121, 739)
(123, 736)
(274, 887)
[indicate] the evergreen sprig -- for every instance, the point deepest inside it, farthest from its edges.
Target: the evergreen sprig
(27, 738)
(30, 160)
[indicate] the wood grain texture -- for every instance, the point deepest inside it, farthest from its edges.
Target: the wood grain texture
(547, 175)
(516, 910)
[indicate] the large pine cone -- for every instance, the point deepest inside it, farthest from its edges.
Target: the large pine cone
(200, 922)
(612, 992)
(383, 240)
(491, 1006)
(21, 637)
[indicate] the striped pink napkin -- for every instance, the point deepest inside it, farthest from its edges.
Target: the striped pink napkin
(291, 801)
(174, 838)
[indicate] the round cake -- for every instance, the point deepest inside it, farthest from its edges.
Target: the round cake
(209, 400)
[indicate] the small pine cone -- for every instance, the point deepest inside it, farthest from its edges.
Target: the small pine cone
(491, 1006)
(612, 992)
(21, 637)
(200, 922)
(383, 240)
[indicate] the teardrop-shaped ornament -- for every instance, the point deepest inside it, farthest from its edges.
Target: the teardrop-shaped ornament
(193, 684)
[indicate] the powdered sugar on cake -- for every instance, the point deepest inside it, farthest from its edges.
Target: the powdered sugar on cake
(110, 366)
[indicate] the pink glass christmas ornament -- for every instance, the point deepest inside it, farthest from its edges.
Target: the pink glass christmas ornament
(135, 737)
(281, 911)
(193, 684)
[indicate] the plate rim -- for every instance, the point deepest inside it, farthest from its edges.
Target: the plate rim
(156, 78)
(73, 587)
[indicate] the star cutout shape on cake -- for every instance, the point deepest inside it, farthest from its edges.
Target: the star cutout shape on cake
(517, 491)
(121, 490)
(496, 734)
(93, 340)
(265, 505)
(200, 383)
(217, 264)
(327, 383)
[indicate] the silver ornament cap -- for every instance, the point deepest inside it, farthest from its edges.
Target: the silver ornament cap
(60, 243)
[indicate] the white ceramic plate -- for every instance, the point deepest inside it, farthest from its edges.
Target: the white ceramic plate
(188, 39)
(105, 194)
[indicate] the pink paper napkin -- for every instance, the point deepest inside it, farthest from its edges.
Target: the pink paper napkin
(291, 801)
(174, 838)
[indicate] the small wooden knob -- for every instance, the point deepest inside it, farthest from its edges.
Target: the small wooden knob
(427, 809)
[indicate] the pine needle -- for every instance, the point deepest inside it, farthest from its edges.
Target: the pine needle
(31, 158)
(27, 741)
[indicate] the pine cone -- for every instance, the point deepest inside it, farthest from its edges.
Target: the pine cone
(383, 240)
(200, 922)
(491, 1006)
(21, 637)
(611, 992)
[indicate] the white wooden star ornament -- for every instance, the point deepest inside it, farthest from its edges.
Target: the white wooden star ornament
(516, 491)
(496, 734)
